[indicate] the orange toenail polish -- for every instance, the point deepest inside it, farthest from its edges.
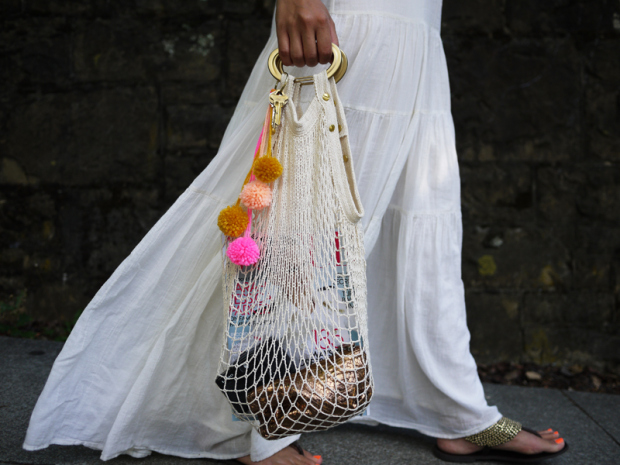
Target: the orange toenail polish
(555, 432)
(550, 429)
(316, 456)
(559, 441)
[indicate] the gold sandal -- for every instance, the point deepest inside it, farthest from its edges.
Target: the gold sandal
(499, 433)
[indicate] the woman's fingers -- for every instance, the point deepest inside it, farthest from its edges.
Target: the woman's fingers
(324, 44)
(332, 28)
(284, 47)
(297, 50)
(305, 32)
(311, 57)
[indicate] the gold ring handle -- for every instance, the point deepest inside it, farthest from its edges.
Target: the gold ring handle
(337, 69)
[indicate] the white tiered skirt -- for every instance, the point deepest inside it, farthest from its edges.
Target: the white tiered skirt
(137, 372)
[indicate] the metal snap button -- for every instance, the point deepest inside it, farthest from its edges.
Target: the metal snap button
(345, 158)
(331, 128)
(326, 96)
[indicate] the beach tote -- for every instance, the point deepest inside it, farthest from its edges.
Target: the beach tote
(295, 348)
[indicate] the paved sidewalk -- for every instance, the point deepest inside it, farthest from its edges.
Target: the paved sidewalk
(590, 423)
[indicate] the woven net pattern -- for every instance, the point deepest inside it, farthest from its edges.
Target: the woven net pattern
(295, 354)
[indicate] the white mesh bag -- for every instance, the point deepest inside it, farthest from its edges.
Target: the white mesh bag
(295, 351)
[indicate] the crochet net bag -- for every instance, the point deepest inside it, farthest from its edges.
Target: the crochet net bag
(295, 351)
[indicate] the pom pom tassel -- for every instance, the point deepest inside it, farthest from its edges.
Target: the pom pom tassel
(243, 251)
(256, 195)
(267, 169)
(232, 221)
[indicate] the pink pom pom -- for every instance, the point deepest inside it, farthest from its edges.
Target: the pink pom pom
(256, 195)
(243, 251)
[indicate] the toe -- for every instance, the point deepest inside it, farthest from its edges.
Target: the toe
(527, 443)
(549, 434)
(554, 444)
(550, 442)
(312, 459)
(560, 443)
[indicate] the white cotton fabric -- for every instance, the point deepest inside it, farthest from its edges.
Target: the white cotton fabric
(137, 372)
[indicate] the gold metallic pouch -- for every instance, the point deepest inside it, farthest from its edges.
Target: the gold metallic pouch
(326, 392)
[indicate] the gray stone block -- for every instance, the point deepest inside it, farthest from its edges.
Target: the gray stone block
(199, 93)
(570, 345)
(592, 272)
(493, 258)
(593, 238)
(86, 138)
(522, 97)
(239, 6)
(601, 97)
(43, 7)
(107, 8)
(531, 17)
(494, 322)
(574, 309)
(472, 17)
(602, 120)
(115, 50)
(503, 192)
(11, 7)
(195, 127)
(127, 49)
(36, 50)
(191, 52)
(604, 409)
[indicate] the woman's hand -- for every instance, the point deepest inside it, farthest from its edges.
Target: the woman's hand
(305, 32)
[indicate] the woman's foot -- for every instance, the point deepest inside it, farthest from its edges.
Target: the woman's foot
(523, 442)
(287, 456)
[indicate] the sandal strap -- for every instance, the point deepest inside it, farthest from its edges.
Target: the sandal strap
(499, 433)
(295, 445)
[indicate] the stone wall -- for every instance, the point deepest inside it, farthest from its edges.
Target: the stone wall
(109, 109)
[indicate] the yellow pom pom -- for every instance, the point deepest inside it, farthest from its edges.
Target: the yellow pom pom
(232, 221)
(267, 169)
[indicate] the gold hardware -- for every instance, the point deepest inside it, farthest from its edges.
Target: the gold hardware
(339, 127)
(331, 128)
(337, 69)
(326, 96)
(343, 67)
(345, 158)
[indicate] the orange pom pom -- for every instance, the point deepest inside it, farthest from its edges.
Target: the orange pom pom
(232, 221)
(267, 169)
(256, 195)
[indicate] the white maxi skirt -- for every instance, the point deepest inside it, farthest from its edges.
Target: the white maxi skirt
(137, 372)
